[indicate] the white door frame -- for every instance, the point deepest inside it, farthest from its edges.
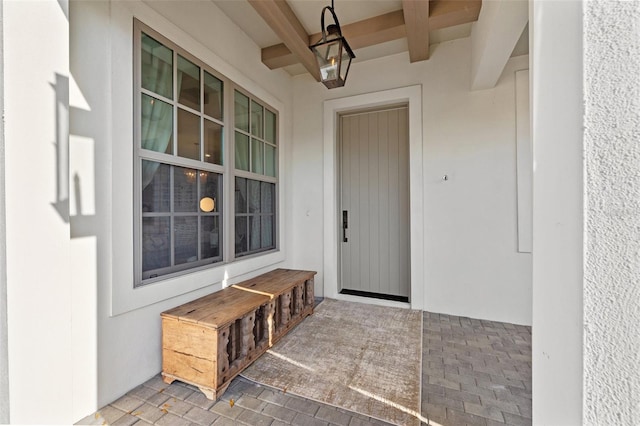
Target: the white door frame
(413, 96)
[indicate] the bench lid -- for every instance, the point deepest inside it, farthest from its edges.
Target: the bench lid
(227, 305)
(276, 282)
(218, 309)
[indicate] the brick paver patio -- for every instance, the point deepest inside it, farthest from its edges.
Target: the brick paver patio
(474, 372)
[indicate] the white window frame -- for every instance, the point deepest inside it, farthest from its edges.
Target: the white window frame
(227, 170)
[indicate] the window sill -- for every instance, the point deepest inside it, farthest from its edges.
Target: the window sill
(127, 298)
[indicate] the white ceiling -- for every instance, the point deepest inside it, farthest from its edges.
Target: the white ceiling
(308, 13)
(348, 11)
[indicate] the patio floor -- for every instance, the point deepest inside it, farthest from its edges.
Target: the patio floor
(474, 372)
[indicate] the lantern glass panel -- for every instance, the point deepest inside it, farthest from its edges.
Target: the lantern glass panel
(344, 67)
(330, 66)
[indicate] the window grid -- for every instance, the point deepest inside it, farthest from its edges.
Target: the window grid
(198, 215)
(255, 230)
(210, 120)
(259, 138)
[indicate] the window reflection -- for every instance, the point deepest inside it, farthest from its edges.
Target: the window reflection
(212, 142)
(188, 83)
(188, 135)
(241, 111)
(212, 96)
(156, 67)
(255, 216)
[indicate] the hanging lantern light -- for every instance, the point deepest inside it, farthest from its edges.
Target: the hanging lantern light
(332, 52)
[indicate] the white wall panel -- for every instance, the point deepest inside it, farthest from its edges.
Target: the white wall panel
(524, 165)
(128, 331)
(471, 263)
(39, 292)
(557, 116)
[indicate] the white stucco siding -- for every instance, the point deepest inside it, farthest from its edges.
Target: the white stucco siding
(126, 338)
(612, 213)
(36, 73)
(471, 263)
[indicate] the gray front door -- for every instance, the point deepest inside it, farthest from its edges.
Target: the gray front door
(374, 204)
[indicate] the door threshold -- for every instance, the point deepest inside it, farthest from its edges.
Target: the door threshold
(372, 295)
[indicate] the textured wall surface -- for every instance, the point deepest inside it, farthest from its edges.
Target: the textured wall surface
(612, 213)
(471, 263)
(101, 54)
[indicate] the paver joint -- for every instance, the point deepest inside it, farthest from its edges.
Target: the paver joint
(474, 372)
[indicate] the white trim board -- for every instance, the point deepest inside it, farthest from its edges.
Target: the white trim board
(413, 96)
(524, 161)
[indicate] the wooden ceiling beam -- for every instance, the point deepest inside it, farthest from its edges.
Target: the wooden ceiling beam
(368, 32)
(376, 30)
(416, 21)
(447, 13)
(380, 29)
(279, 16)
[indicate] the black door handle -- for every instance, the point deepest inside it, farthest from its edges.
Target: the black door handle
(345, 225)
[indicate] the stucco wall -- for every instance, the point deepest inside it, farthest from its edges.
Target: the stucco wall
(612, 212)
(119, 326)
(37, 226)
(471, 264)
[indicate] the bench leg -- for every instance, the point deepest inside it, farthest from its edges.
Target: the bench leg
(223, 355)
(285, 308)
(309, 294)
(248, 339)
(167, 379)
(210, 393)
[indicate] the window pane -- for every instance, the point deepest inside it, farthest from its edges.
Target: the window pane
(241, 111)
(186, 239)
(212, 96)
(185, 198)
(242, 151)
(267, 231)
(212, 142)
(268, 197)
(156, 243)
(210, 245)
(155, 187)
(256, 119)
(210, 192)
(269, 160)
(188, 83)
(241, 195)
(241, 234)
(188, 135)
(270, 126)
(182, 114)
(254, 233)
(257, 156)
(156, 67)
(254, 195)
(156, 125)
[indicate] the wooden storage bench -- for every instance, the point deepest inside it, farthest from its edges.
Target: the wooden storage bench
(210, 340)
